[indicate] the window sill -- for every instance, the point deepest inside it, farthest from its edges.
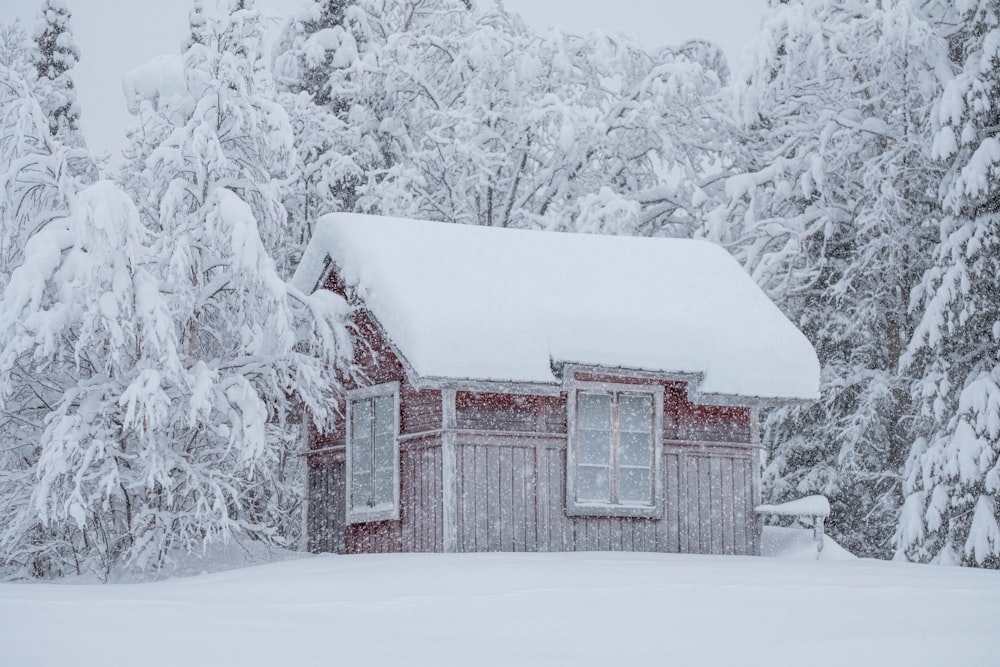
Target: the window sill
(629, 511)
(373, 516)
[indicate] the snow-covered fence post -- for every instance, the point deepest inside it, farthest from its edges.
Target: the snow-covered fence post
(815, 508)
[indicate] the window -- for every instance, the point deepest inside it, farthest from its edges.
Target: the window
(373, 453)
(613, 458)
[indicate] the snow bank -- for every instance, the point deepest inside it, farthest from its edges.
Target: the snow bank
(579, 609)
(465, 302)
(807, 506)
(799, 544)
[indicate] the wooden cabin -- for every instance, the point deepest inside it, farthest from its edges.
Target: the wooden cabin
(543, 391)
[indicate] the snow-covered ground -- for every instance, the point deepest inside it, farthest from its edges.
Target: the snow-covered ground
(516, 609)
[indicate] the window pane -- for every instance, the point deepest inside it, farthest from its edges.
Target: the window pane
(384, 446)
(636, 449)
(361, 453)
(634, 485)
(361, 416)
(361, 472)
(594, 411)
(595, 448)
(385, 417)
(384, 476)
(636, 413)
(593, 484)
(385, 480)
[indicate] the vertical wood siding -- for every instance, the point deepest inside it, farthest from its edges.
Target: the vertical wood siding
(512, 497)
(325, 510)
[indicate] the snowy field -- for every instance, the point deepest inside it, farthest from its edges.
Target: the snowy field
(579, 609)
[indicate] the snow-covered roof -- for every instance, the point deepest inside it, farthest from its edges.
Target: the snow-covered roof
(489, 304)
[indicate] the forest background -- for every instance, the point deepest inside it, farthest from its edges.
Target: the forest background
(146, 396)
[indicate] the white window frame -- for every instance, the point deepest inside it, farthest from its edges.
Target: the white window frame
(575, 507)
(368, 514)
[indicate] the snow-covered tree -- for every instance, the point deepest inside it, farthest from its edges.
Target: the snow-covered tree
(952, 474)
(54, 55)
(34, 183)
(36, 188)
(159, 363)
(216, 183)
(14, 48)
(316, 40)
(88, 366)
(315, 64)
(485, 122)
(834, 217)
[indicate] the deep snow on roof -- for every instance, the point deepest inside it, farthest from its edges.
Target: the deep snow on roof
(482, 303)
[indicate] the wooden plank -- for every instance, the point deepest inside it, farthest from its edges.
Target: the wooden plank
(427, 500)
(649, 537)
(481, 504)
(493, 499)
(593, 534)
(419, 493)
(467, 498)
(518, 519)
(416, 495)
(715, 491)
(506, 500)
(447, 476)
(672, 512)
(580, 534)
(615, 537)
(754, 493)
(337, 493)
(530, 500)
(748, 494)
(704, 506)
(439, 515)
(603, 533)
(409, 510)
(541, 493)
(728, 525)
(315, 542)
(694, 525)
(631, 528)
(557, 484)
(691, 500)
(553, 541)
(741, 536)
(413, 499)
(400, 526)
(682, 510)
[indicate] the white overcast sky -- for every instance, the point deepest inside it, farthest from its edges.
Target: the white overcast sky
(116, 35)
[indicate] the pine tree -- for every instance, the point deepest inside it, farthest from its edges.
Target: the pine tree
(952, 475)
(322, 45)
(834, 219)
(311, 48)
(54, 56)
